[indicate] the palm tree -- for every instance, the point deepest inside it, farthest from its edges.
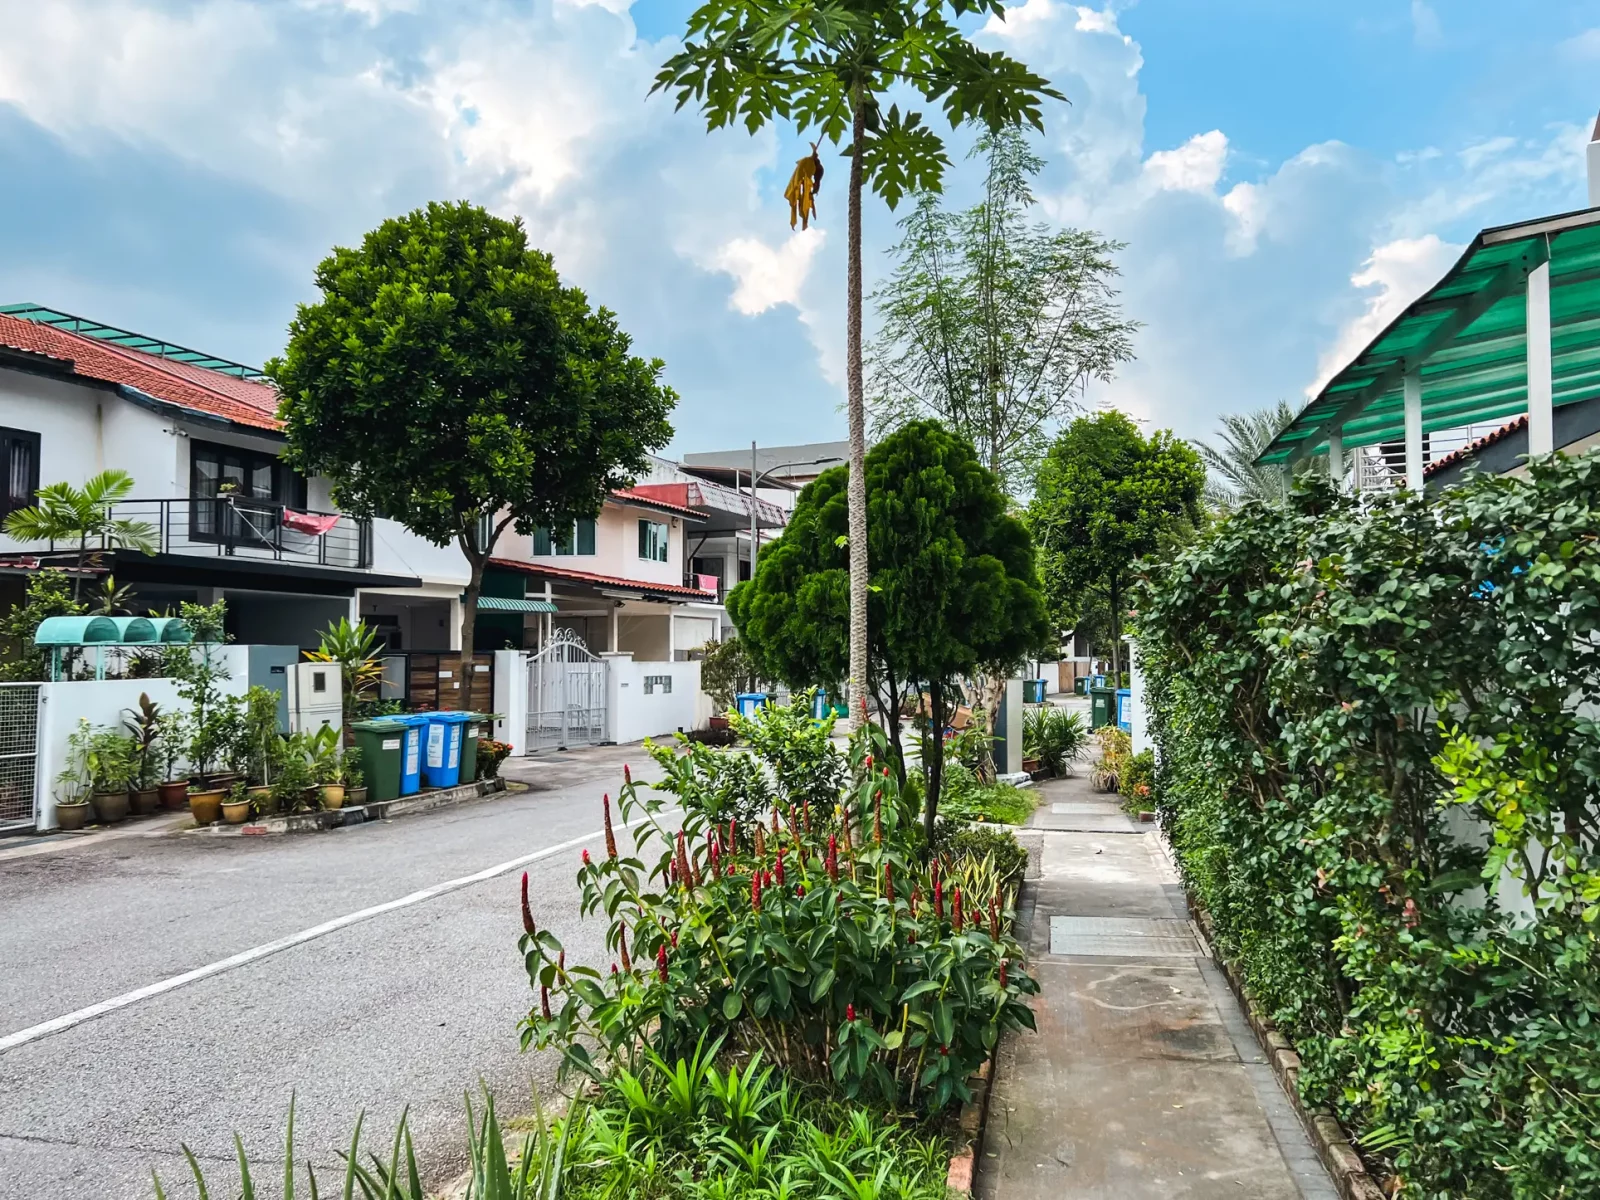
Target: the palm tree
(1232, 476)
(63, 513)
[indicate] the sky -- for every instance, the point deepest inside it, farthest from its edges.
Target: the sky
(1287, 175)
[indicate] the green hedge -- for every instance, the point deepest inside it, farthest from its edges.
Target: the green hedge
(1380, 773)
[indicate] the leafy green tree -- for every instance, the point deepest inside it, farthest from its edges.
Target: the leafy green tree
(992, 323)
(449, 380)
(48, 595)
(63, 513)
(1105, 497)
(954, 589)
(827, 68)
(1232, 476)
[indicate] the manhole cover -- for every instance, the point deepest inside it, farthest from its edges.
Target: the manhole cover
(1122, 937)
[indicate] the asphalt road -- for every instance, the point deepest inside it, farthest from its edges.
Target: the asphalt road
(411, 1006)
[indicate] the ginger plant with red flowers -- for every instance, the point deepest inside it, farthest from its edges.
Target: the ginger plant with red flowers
(795, 936)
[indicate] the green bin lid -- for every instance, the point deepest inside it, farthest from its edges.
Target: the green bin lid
(378, 725)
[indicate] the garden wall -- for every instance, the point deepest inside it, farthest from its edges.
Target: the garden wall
(649, 699)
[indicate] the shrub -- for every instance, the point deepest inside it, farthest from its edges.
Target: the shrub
(1055, 736)
(835, 954)
(1379, 771)
(1136, 781)
(490, 755)
(958, 844)
(966, 800)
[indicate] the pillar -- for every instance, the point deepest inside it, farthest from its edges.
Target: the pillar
(1541, 382)
(1414, 463)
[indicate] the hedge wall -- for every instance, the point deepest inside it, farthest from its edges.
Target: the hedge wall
(1380, 773)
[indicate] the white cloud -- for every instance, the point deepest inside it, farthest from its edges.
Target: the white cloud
(1396, 274)
(768, 276)
(1425, 26)
(1020, 20)
(1585, 47)
(1195, 166)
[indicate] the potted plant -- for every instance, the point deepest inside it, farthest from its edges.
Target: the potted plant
(144, 726)
(173, 790)
(293, 775)
(214, 719)
(237, 804)
(327, 766)
(355, 779)
(262, 745)
(113, 763)
(72, 785)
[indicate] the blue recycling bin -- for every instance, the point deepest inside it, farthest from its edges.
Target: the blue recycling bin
(414, 724)
(441, 750)
(821, 708)
(748, 702)
(1124, 717)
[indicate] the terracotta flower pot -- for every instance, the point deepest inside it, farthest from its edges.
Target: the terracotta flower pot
(236, 812)
(333, 795)
(110, 807)
(206, 805)
(717, 723)
(74, 815)
(146, 801)
(355, 796)
(174, 795)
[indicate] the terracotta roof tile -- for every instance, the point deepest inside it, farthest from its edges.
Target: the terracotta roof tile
(242, 401)
(643, 585)
(1472, 448)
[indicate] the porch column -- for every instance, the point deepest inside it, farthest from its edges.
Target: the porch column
(1541, 383)
(1336, 457)
(672, 635)
(455, 623)
(615, 636)
(1414, 463)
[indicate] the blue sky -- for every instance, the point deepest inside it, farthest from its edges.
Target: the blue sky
(1287, 175)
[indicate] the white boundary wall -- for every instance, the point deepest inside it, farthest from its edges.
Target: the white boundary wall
(511, 700)
(632, 715)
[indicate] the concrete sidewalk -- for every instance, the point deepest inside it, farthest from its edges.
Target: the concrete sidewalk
(1144, 1080)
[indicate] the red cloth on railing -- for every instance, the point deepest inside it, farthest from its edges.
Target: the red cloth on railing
(314, 524)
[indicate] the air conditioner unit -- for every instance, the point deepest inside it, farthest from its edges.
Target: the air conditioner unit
(314, 697)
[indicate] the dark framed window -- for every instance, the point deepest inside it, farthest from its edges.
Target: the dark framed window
(245, 488)
(579, 541)
(653, 541)
(19, 459)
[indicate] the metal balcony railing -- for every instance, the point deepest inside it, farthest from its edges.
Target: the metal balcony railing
(239, 527)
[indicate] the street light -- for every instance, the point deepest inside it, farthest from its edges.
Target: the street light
(755, 480)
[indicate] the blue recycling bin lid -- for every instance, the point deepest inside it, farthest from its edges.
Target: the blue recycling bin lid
(449, 716)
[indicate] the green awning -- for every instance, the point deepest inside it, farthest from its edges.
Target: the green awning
(509, 604)
(1467, 339)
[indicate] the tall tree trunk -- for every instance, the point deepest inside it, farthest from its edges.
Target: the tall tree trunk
(935, 765)
(469, 622)
(857, 494)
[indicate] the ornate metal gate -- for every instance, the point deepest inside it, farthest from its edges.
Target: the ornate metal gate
(19, 734)
(566, 694)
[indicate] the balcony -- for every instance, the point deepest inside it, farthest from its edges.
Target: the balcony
(240, 528)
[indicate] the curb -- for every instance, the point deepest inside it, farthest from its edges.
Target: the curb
(1333, 1145)
(378, 810)
(967, 1135)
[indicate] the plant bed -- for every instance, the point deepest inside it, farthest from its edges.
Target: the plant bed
(317, 820)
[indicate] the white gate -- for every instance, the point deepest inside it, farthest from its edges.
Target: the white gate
(566, 695)
(19, 743)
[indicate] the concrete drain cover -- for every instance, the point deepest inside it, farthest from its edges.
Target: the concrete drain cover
(1122, 937)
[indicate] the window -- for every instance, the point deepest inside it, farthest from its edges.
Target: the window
(580, 541)
(653, 541)
(657, 683)
(246, 487)
(19, 459)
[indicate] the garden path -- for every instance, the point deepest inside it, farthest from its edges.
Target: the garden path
(1144, 1079)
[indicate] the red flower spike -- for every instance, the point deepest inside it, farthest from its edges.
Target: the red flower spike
(627, 775)
(527, 913)
(994, 917)
(674, 939)
(761, 842)
(877, 818)
(849, 1012)
(561, 965)
(627, 960)
(774, 824)
(1002, 974)
(733, 835)
(869, 762)
(944, 1051)
(800, 891)
(888, 884)
(544, 1003)
(755, 890)
(613, 968)
(611, 838)
(586, 858)
(778, 874)
(716, 862)
(683, 860)
(938, 898)
(805, 811)
(955, 908)
(661, 964)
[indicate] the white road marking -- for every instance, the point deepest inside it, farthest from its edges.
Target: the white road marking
(59, 1024)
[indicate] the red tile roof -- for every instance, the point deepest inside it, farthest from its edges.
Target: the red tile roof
(1472, 448)
(642, 585)
(651, 496)
(243, 401)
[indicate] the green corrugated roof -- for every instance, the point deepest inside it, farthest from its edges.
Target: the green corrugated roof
(508, 604)
(1468, 339)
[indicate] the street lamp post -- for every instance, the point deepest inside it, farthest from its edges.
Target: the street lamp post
(755, 480)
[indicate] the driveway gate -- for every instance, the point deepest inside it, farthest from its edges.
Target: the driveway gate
(19, 733)
(566, 695)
